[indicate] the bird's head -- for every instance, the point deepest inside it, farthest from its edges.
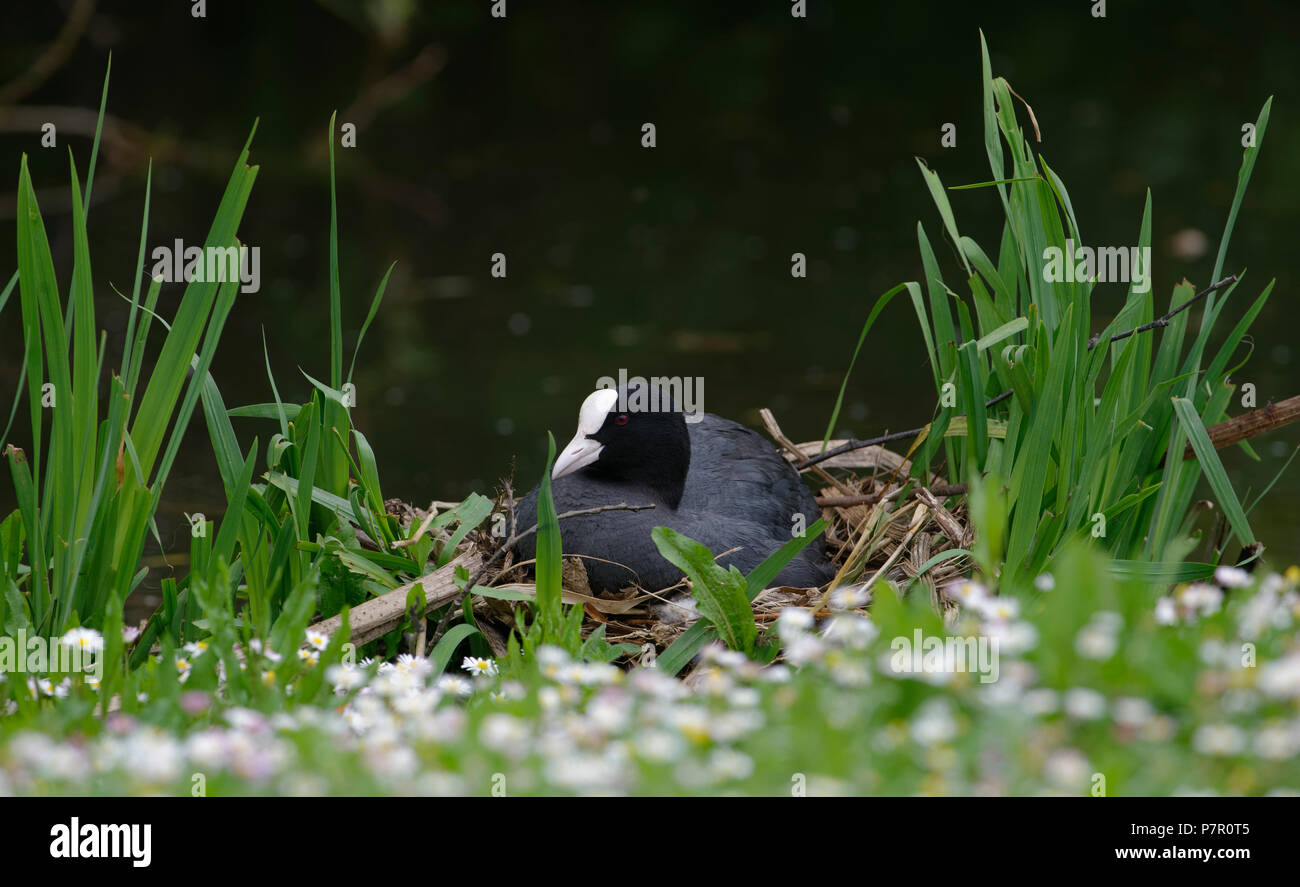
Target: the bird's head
(631, 439)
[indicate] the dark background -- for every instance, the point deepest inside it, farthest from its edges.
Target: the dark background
(775, 135)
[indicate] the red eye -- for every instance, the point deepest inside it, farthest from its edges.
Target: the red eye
(620, 420)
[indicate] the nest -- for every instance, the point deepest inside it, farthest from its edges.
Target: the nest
(882, 526)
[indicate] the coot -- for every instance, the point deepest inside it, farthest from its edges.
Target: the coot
(712, 479)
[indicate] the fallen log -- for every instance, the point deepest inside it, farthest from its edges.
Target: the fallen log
(378, 616)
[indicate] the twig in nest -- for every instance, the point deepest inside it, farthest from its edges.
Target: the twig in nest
(1163, 320)
(510, 504)
(774, 429)
(424, 525)
(939, 491)
(662, 596)
(915, 524)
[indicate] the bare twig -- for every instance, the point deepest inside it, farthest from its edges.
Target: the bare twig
(1260, 421)
(1164, 319)
(918, 519)
(939, 491)
(424, 524)
(774, 429)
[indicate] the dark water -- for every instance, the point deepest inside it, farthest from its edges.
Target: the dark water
(522, 137)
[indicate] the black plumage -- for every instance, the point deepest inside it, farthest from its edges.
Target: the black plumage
(714, 480)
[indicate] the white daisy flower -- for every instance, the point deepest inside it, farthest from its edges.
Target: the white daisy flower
(1084, 704)
(803, 649)
(720, 655)
(1039, 701)
(1277, 743)
(504, 733)
(856, 632)
(850, 597)
(1281, 677)
(793, 620)
(86, 639)
(933, 723)
(477, 666)
(397, 682)
(1231, 577)
(1133, 711)
(1068, 769)
(345, 677)
(455, 684)
(1219, 740)
(416, 665)
(968, 593)
(257, 646)
(999, 609)
(1166, 611)
(1201, 597)
(1012, 638)
(729, 764)
(775, 674)
(1094, 642)
(59, 690)
(550, 655)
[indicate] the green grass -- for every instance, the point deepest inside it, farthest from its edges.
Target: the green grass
(723, 596)
(87, 502)
(1093, 696)
(1113, 692)
(1086, 432)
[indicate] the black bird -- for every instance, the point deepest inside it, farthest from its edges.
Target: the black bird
(712, 479)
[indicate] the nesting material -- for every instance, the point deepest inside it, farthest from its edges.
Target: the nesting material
(881, 528)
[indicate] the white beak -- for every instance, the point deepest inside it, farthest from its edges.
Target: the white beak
(582, 450)
(577, 455)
